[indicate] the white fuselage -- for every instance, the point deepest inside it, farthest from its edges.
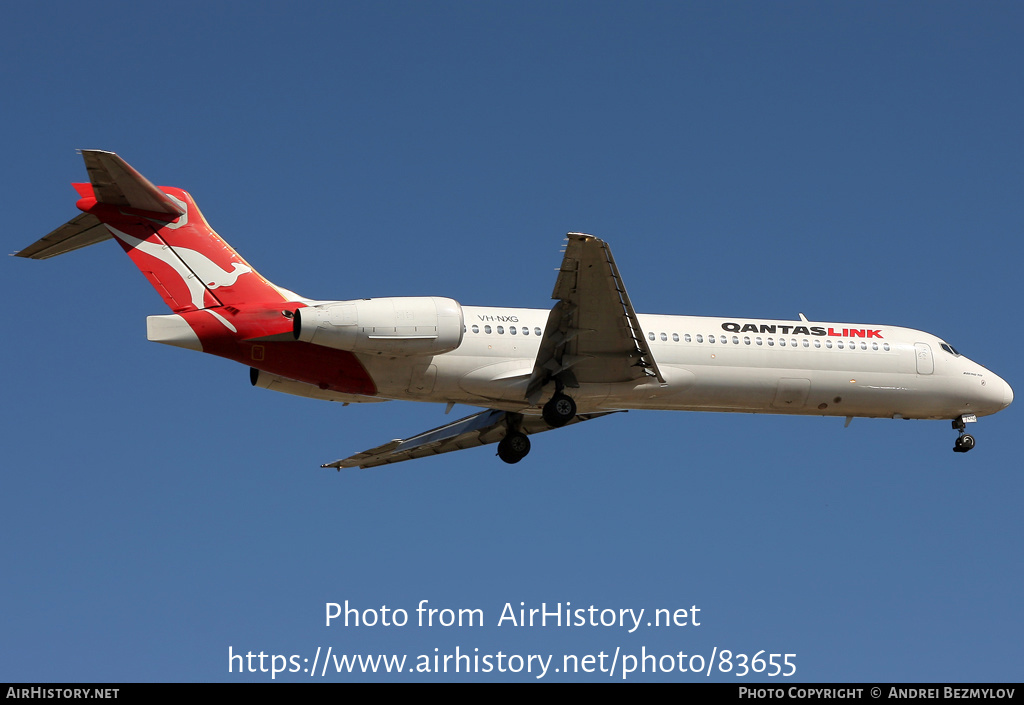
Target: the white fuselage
(531, 370)
(715, 364)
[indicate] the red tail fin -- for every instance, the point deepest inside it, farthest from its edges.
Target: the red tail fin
(188, 264)
(221, 304)
(164, 233)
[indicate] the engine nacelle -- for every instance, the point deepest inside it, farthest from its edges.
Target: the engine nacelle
(397, 326)
(276, 383)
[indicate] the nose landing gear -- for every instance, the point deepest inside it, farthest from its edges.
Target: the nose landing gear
(964, 441)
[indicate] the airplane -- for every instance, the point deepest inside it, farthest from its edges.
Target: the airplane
(531, 370)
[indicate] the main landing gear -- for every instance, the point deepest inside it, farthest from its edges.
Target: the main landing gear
(513, 447)
(964, 441)
(559, 410)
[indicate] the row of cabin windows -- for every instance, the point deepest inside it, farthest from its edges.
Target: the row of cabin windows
(723, 339)
(782, 342)
(512, 330)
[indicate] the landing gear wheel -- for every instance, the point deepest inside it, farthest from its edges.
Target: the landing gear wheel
(964, 443)
(559, 411)
(513, 447)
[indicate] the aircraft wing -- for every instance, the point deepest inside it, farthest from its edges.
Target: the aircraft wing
(592, 333)
(479, 429)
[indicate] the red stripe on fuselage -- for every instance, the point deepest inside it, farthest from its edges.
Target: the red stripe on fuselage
(327, 368)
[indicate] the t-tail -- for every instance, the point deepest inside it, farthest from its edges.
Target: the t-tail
(221, 304)
(165, 235)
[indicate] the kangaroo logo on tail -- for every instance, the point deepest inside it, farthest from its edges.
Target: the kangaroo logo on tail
(197, 271)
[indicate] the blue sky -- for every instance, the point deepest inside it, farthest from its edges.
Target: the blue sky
(853, 161)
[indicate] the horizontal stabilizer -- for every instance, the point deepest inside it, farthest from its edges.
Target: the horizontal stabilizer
(75, 234)
(116, 183)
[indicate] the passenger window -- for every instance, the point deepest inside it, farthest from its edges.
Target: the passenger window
(537, 331)
(487, 329)
(782, 342)
(687, 338)
(700, 338)
(885, 346)
(746, 340)
(817, 344)
(771, 342)
(650, 336)
(675, 337)
(476, 328)
(735, 340)
(757, 340)
(526, 331)
(828, 344)
(711, 338)
(839, 344)
(664, 337)
(511, 330)
(501, 330)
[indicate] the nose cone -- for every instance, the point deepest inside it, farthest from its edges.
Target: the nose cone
(997, 395)
(984, 392)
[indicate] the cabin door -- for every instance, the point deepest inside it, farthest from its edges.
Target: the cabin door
(925, 364)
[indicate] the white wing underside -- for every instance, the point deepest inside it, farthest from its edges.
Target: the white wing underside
(479, 429)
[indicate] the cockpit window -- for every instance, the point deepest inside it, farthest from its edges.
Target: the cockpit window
(949, 348)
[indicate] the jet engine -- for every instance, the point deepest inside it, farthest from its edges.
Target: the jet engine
(396, 326)
(276, 383)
